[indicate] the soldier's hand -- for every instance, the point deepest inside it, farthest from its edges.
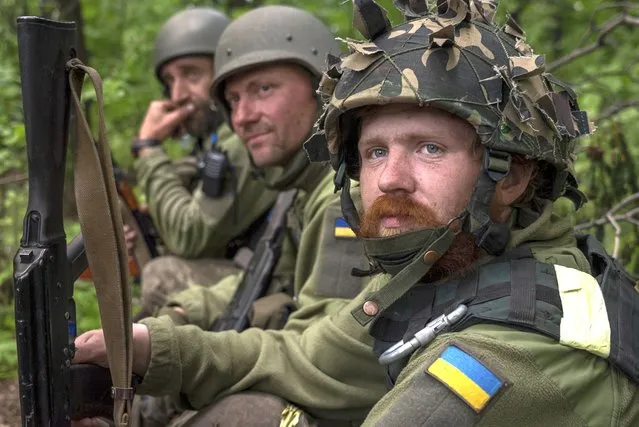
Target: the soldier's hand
(163, 119)
(130, 237)
(90, 347)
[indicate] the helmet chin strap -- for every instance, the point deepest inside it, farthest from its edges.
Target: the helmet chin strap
(490, 236)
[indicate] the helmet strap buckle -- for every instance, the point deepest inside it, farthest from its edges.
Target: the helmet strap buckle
(497, 164)
(489, 236)
(340, 176)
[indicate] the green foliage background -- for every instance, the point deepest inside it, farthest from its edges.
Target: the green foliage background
(118, 38)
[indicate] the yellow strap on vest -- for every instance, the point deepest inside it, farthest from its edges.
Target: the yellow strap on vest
(101, 224)
(584, 324)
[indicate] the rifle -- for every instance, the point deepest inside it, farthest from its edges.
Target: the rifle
(257, 276)
(44, 306)
(44, 268)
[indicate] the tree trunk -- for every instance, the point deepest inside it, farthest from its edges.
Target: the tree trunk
(71, 10)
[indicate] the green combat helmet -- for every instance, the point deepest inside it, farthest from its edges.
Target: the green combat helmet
(268, 35)
(453, 58)
(194, 31)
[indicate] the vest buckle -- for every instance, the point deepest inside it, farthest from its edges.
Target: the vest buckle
(423, 337)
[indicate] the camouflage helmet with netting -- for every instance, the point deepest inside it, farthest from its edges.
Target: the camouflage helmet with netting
(193, 31)
(453, 58)
(272, 34)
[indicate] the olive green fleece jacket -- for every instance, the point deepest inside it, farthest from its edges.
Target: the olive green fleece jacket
(191, 224)
(312, 219)
(327, 368)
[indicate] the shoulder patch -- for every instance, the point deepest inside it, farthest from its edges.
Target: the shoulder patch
(466, 376)
(343, 230)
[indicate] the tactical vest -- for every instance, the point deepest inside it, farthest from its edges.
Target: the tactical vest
(518, 291)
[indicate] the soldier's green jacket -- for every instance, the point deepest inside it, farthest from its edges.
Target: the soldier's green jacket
(311, 222)
(191, 224)
(329, 368)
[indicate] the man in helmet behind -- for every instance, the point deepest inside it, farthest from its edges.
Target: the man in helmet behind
(461, 143)
(203, 216)
(266, 81)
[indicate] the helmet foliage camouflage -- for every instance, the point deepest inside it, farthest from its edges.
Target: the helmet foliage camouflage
(453, 58)
(272, 34)
(194, 31)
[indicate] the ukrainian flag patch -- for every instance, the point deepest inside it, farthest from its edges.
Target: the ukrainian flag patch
(343, 230)
(465, 376)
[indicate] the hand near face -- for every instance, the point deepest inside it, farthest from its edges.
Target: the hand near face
(91, 348)
(164, 119)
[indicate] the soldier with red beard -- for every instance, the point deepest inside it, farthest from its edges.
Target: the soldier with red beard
(494, 312)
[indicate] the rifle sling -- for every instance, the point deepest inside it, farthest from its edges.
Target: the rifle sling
(101, 224)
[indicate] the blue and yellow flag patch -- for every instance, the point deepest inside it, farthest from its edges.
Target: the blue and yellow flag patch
(466, 377)
(343, 230)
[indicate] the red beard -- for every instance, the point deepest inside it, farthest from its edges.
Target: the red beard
(463, 252)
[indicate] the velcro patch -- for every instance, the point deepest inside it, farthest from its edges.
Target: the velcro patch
(343, 230)
(465, 376)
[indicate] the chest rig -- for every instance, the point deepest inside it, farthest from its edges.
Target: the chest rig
(514, 290)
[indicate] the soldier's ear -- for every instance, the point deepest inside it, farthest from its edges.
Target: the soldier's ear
(513, 186)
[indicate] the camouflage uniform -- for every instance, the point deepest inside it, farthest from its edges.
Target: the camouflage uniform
(200, 232)
(329, 370)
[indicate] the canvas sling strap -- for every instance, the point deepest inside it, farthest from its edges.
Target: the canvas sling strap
(101, 224)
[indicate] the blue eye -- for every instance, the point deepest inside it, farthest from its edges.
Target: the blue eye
(431, 149)
(376, 153)
(232, 101)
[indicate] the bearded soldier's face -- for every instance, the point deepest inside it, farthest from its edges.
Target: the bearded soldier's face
(418, 168)
(272, 109)
(189, 79)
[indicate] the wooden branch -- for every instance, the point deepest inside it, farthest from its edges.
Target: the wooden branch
(631, 216)
(13, 179)
(615, 248)
(616, 109)
(606, 29)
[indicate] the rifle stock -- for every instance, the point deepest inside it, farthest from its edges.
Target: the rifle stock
(143, 220)
(44, 307)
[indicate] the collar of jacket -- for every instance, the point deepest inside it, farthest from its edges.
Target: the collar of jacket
(223, 132)
(534, 223)
(298, 173)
